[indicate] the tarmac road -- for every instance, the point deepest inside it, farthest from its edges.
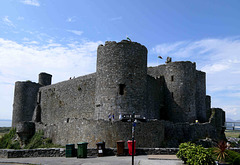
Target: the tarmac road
(108, 160)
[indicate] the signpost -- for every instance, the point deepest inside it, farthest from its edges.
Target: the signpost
(133, 118)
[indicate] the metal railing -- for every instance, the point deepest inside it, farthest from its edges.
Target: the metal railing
(235, 126)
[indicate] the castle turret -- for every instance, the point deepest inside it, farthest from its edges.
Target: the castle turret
(208, 107)
(201, 96)
(25, 100)
(180, 79)
(121, 84)
(44, 79)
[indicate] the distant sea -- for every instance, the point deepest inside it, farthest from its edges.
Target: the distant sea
(5, 123)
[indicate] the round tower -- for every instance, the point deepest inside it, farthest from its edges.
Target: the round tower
(180, 79)
(44, 79)
(25, 100)
(121, 84)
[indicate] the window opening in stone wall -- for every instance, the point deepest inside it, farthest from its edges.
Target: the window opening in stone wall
(172, 94)
(172, 78)
(122, 89)
(39, 97)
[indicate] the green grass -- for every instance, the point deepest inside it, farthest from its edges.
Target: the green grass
(231, 133)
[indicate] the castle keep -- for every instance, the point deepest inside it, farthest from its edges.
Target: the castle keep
(87, 108)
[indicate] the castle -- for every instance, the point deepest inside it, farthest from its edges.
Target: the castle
(88, 108)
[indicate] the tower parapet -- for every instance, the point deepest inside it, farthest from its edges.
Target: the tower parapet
(121, 84)
(44, 79)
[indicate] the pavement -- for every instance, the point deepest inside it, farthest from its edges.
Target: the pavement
(107, 160)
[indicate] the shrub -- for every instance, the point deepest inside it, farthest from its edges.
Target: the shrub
(198, 155)
(38, 141)
(183, 150)
(231, 155)
(221, 151)
(195, 155)
(9, 141)
(236, 161)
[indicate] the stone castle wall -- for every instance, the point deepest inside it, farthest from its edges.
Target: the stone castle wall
(153, 134)
(93, 131)
(73, 98)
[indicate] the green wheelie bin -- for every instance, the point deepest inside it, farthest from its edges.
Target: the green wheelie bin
(82, 150)
(70, 150)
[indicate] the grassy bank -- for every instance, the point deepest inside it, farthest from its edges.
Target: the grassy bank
(4, 130)
(231, 133)
(9, 140)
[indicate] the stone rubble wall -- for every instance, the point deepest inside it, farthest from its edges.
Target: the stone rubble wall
(60, 152)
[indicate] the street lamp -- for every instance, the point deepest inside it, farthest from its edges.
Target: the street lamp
(133, 118)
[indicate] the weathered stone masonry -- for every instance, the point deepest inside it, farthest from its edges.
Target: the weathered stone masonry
(171, 96)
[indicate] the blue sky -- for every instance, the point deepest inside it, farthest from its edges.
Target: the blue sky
(61, 37)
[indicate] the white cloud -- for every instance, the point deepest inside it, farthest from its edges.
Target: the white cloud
(31, 42)
(216, 67)
(7, 21)
(77, 32)
(232, 111)
(211, 55)
(165, 49)
(20, 62)
(31, 2)
(20, 18)
(71, 19)
(206, 51)
(116, 18)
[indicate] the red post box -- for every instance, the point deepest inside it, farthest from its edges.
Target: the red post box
(130, 147)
